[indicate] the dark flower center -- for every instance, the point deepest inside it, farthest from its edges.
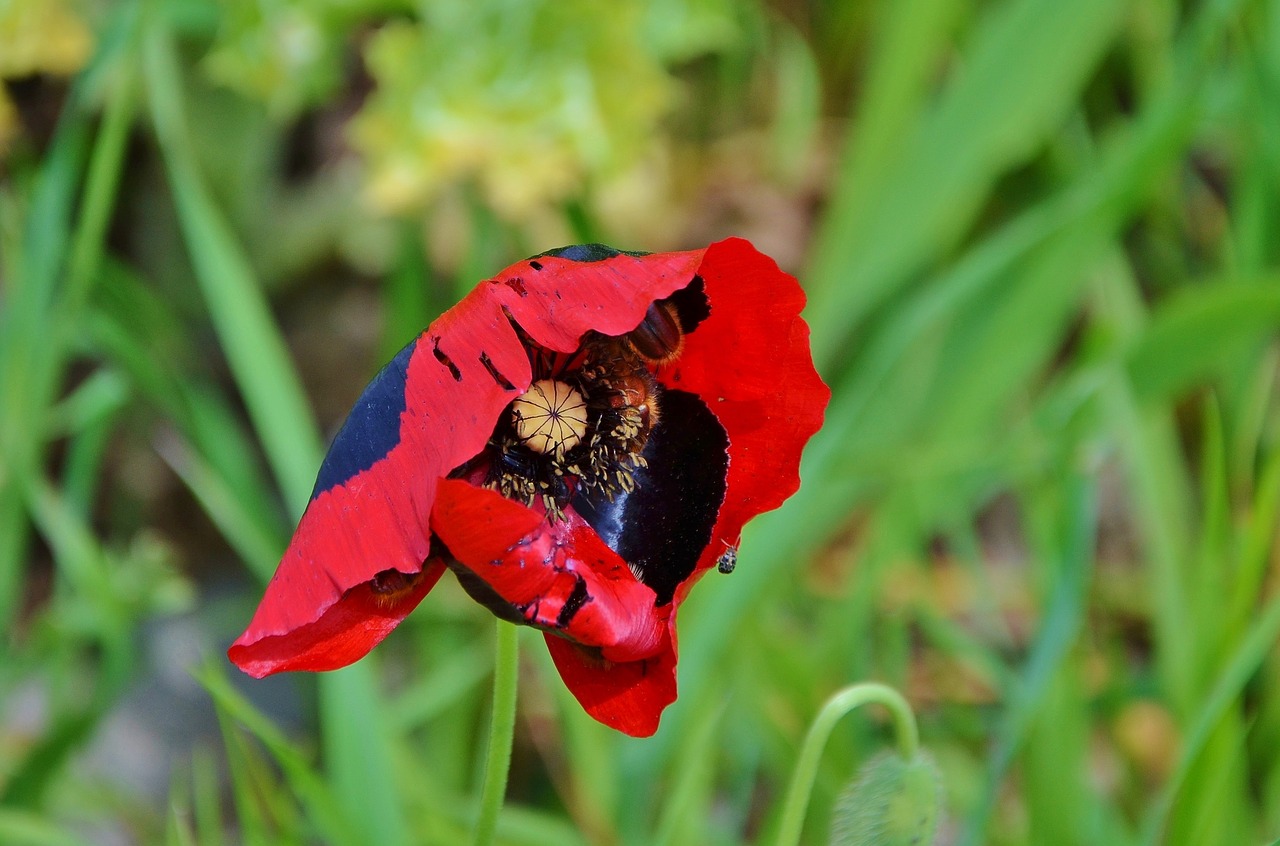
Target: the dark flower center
(581, 426)
(643, 465)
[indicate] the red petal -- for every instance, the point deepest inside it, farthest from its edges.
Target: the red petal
(564, 299)
(558, 576)
(344, 633)
(629, 696)
(429, 411)
(750, 363)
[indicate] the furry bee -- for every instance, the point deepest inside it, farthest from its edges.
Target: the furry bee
(659, 337)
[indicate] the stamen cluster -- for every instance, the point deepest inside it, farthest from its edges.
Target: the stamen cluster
(581, 426)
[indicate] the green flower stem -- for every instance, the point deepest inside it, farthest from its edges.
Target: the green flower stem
(802, 778)
(501, 731)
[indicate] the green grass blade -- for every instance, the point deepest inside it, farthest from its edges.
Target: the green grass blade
(206, 802)
(1243, 663)
(24, 327)
(1200, 331)
(252, 342)
(358, 744)
(257, 545)
(132, 327)
(324, 812)
(359, 756)
(443, 686)
(1061, 625)
(1019, 77)
(39, 311)
(22, 828)
(684, 817)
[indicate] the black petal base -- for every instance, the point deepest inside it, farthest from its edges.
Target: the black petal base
(662, 527)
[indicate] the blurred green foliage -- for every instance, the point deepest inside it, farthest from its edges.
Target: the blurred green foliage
(287, 55)
(1040, 244)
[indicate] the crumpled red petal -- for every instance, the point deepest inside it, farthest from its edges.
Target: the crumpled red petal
(628, 696)
(342, 635)
(558, 576)
(448, 388)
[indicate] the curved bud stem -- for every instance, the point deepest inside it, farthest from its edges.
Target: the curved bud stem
(802, 778)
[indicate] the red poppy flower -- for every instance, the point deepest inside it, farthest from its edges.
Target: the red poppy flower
(579, 440)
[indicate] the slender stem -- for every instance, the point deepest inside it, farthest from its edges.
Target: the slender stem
(501, 731)
(802, 778)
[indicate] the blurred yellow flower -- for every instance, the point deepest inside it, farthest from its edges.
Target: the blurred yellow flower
(528, 101)
(37, 36)
(41, 36)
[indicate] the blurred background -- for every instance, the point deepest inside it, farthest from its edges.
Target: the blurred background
(1040, 242)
